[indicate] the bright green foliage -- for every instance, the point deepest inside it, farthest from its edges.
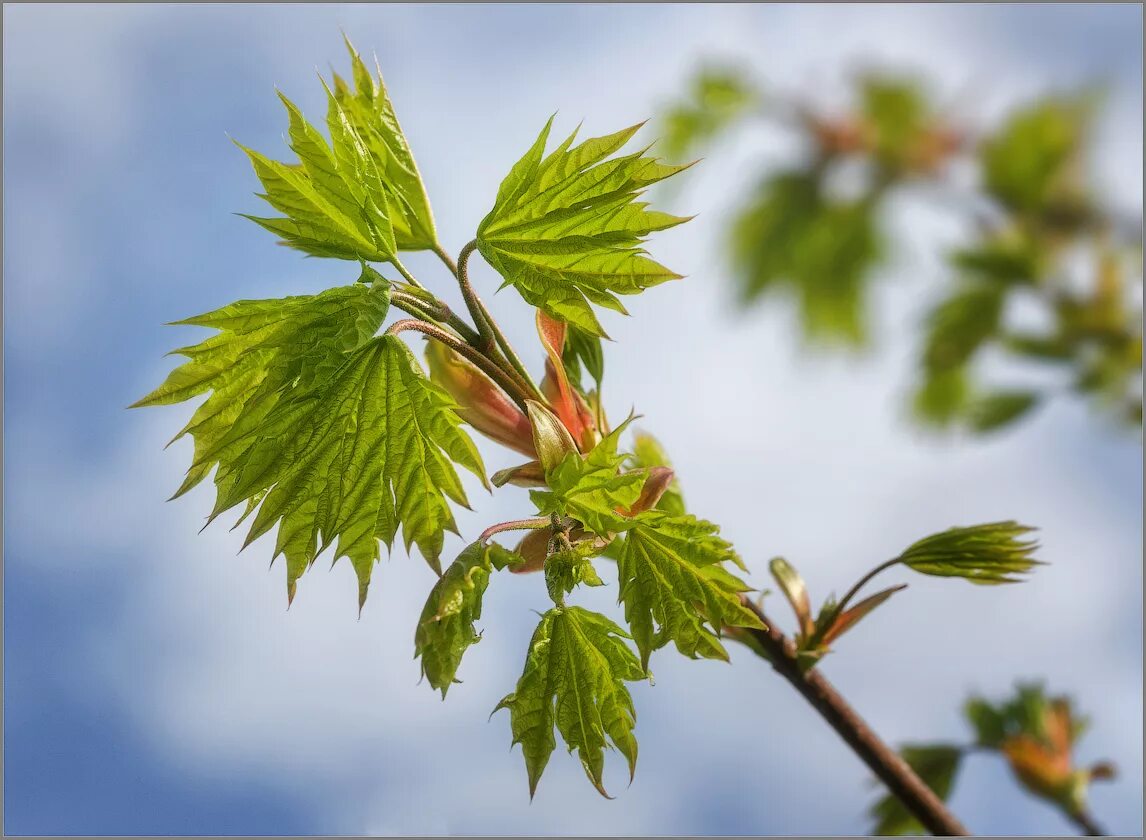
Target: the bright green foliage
(368, 111)
(792, 234)
(446, 627)
(937, 765)
(358, 197)
(574, 680)
(592, 489)
(673, 584)
(717, 97)
(648, 452)
(991, 553)
(567, 569)
(326, 465)
(566, 228)
(265, 351)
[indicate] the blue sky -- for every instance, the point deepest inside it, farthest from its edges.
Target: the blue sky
(154, 682)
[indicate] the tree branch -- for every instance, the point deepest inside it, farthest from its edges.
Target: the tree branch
(885, 762)
(1086, 824)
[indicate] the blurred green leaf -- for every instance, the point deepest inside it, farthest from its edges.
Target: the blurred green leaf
(822, 249)
(987, 554)
(1031, 164)
(717, 97)
(993, 411)
(942, 396)
(897, 111)
(959, 326)
(1001, 259)
(989, 723)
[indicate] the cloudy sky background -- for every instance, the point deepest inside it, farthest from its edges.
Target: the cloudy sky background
(155, 683)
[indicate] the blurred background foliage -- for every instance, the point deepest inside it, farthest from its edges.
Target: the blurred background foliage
(1050, 279)
(1033, 732)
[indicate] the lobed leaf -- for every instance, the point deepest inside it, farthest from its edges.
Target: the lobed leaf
(675, 587)
(358, 196)
(566, 229)
(446, 626)
(265, 350)
(591, 488)
(574, 680)
(365, 450)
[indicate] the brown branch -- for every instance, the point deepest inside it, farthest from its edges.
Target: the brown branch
(886, 763)
(1086, 823)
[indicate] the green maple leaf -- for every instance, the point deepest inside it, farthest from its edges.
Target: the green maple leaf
(446, 627)
(566, 228)
(265, 349)
(357, 197)
(574, 680)
(591, 488)
(366, 448)
(370, 113)
(675, 587)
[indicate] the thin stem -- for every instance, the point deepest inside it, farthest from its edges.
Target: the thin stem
(410, 278)
(534, 524)
(903, 782)
(477, 310)
(507, 383)
(446, 258)
(863, 580)
(485, 321)
(432, 310)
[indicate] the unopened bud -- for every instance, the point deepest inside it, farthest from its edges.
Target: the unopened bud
(481, 403)
(550, 437)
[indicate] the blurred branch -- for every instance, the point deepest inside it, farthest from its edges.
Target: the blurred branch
(1086, 823)
(885, 762)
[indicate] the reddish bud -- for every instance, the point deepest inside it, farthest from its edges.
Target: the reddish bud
(481, 403)
(528, 474)
(657, 482)
(569, 406)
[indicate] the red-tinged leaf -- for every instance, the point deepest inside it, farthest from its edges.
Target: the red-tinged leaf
(849, 617)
